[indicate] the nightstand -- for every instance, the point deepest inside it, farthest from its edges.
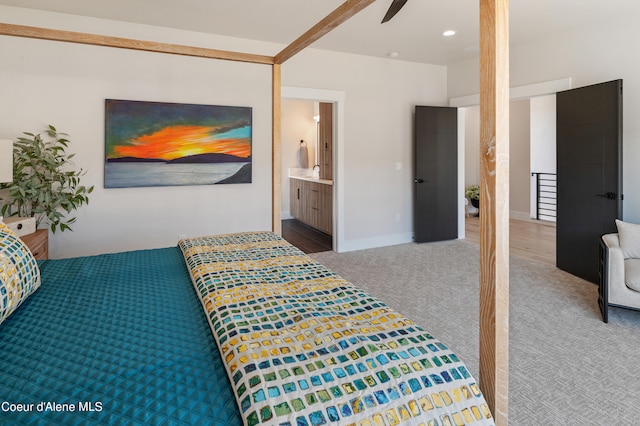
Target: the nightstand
(38, 243)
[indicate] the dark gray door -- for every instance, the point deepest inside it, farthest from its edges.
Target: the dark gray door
(436, 174)
(589, 153)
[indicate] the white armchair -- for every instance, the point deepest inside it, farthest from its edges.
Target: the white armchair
(620, 269)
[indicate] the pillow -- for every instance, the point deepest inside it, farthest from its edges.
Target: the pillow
(19, 272)
(629, 235)
(632, 274)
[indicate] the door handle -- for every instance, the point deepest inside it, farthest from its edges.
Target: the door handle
(608, 195)
(419, 180)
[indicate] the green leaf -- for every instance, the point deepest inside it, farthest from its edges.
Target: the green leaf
(45, 183)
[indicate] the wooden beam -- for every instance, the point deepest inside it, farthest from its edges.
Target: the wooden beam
(126, 43)
(494, 206)
(345, 11)
(276, 152)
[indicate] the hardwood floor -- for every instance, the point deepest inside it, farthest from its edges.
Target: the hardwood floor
(307, 239)
(531, 239)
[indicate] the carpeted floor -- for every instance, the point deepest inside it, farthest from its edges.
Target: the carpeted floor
(566, 367)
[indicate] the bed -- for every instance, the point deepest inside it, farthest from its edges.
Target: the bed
(231, 329)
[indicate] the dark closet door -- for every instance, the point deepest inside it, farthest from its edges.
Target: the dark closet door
(589, 153)
(436, 174)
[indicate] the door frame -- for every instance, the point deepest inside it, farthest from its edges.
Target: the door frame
(515, 93)
(337, 98)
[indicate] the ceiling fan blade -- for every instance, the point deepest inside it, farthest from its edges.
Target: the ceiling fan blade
(395, 7)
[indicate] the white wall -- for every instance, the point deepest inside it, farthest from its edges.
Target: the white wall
(380, 96)
(519, 160)
(297, 124)
(543, 140)
(543, 134)
(472, 146)
(587, 57)
(65, 84)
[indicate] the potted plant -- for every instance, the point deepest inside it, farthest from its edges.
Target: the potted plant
(45, 184)
(472, 192)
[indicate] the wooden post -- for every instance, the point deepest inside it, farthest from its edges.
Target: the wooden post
(276, 160)
(494, 206)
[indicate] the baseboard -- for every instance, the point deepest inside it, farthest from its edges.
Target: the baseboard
(374, 242)
(285, 215)
(519, 215)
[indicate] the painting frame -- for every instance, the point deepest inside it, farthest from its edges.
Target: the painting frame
(150, 143)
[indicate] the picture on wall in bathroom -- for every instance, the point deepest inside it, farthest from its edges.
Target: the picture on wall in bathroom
(163, 144)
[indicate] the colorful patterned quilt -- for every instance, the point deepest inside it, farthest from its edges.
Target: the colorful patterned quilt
(302, 346)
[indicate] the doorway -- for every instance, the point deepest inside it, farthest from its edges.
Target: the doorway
(308, 100)
(532, 121)
(468, 140)
(307, 174)
(603, 196)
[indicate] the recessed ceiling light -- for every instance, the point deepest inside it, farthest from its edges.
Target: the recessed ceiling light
(392, 54)
(449, 33)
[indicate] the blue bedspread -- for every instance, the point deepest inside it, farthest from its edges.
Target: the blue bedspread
(113, 339)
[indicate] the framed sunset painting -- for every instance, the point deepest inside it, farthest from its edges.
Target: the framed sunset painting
(162, 144)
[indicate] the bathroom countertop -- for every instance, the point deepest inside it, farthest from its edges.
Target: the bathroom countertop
(312, 179)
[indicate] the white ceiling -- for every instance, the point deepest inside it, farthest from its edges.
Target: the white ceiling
(415, 32)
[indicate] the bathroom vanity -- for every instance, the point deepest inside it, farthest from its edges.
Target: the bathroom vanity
(311, 202)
